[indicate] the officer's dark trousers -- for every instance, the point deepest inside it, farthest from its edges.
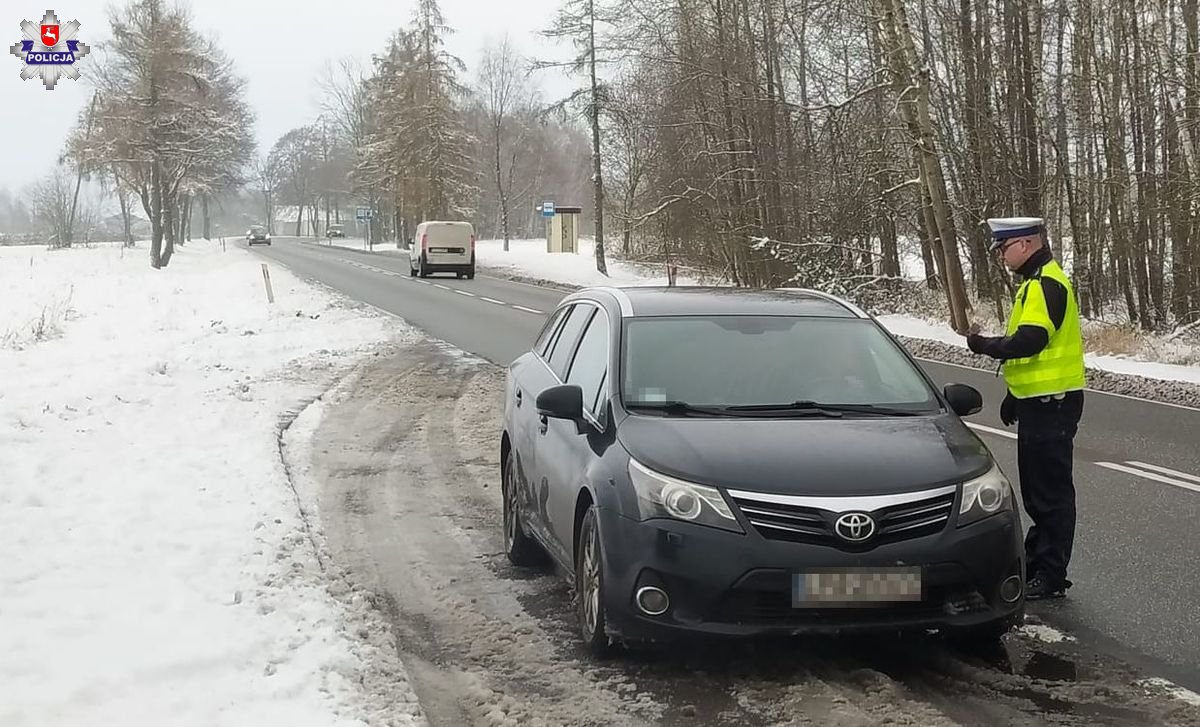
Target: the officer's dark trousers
(1045, 447)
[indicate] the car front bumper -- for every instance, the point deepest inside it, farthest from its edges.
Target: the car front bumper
(731, 584)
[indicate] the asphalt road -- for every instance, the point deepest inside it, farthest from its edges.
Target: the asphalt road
(1137, 462)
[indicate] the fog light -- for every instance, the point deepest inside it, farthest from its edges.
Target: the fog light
(652, 601)
(1010, 589)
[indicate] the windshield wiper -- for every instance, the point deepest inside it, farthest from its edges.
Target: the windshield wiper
(795, 407)
(831, 410)
(677, 407)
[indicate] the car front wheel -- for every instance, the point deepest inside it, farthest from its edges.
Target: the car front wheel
(519, 547)
(589, 586)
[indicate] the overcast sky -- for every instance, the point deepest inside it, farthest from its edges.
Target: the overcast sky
(278, 46)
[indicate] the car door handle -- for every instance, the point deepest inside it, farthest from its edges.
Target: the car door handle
(544, 424)
(518, 397)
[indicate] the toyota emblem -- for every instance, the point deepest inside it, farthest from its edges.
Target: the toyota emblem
(855, 526)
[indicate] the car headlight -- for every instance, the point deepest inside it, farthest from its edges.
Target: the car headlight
(985, 496)
(661, 496)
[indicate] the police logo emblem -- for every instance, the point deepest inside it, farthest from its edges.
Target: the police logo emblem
(50, 50)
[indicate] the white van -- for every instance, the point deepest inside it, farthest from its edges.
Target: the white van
(443, 247)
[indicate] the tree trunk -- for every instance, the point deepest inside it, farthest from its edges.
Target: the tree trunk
(904, 59)
(126, 223)
(170, 215)
(496, 129)
(597, 176)
(185, 223)
(207, 217)
(156, 217)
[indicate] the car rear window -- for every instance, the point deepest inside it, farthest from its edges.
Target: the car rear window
(456, 235)
(748, 360)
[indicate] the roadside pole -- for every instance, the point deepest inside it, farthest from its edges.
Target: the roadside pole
(365, 215)
(267, 283)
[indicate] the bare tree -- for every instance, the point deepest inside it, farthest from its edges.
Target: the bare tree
(503, 89)
(52, 199)
(579, 21)
(170, 118)
(913, 92)
(295, 160)
(266, 178)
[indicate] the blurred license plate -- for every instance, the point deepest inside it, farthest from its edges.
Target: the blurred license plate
(456, 250)
(855, 586)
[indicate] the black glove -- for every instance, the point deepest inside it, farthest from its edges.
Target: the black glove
(1008, 410)
(977, 343)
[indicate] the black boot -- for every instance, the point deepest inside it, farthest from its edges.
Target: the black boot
(1040, 588)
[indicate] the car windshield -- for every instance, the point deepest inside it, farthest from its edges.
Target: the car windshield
(761, 361)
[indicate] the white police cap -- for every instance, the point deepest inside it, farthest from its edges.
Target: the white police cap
(1004, 228)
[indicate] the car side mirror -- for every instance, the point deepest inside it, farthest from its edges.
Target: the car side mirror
(564, 401)
(964, 400)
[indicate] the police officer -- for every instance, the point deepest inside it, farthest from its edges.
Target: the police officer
(1042, 351)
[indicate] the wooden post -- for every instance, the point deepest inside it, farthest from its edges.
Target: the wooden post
(267, 282)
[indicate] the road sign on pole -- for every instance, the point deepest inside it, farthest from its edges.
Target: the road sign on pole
(548, 208)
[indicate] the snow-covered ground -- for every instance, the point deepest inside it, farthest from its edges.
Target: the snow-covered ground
(156, 568)
(529, 259)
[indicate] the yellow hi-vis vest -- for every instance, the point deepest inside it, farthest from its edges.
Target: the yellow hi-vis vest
(1057, 368)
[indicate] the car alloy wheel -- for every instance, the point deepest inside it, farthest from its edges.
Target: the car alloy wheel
(519, 547)
(589, 586)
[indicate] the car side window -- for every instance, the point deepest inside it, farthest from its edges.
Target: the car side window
(601, 396)
(591, 361)
(542, 345)
(568, 336)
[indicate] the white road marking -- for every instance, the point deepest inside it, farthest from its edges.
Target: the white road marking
(424, 282)
(991, 430)
(1149, 475)
(527, 310)
(463, 292)
(492, 300)
(1166, 471)
(443, 287)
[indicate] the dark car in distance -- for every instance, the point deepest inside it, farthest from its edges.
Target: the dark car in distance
(731, 462)
(257, 234)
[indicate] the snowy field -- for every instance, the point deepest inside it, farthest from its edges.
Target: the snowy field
(529, 259)
(156, 569)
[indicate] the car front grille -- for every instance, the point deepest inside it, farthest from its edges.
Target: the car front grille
(811, 520)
